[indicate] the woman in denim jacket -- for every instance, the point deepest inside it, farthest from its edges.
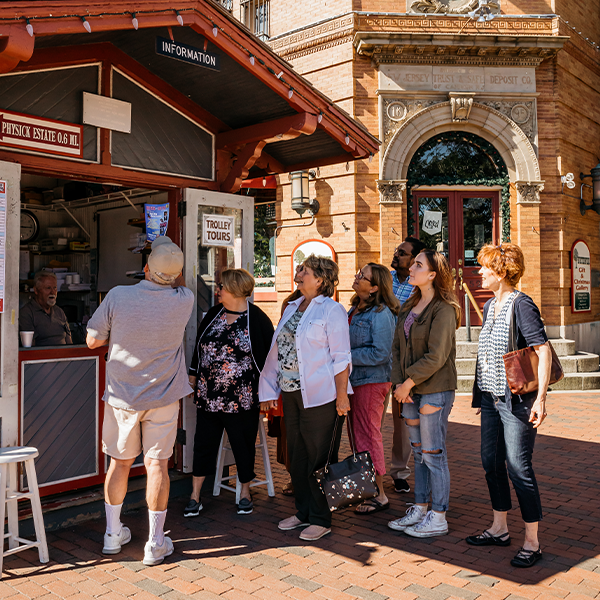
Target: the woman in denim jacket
(372, 320)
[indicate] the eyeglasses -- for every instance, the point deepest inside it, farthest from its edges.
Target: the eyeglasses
(220, 286)
(501, 249)
(360, 275)
(401, 252)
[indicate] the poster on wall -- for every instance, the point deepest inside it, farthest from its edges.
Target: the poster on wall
(3, 196)
(581, 278)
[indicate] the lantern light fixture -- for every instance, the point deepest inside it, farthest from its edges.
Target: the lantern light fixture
(301, 201)
(568, 181)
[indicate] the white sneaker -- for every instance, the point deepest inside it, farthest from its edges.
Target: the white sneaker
(155, 554)
(433, 524)
(414, 514)
(114, 541)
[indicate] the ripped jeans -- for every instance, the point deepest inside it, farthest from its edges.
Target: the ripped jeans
(432, 476)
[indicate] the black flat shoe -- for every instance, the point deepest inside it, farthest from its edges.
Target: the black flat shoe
(487, 539)
(192, 509)
(526, 558)
(245, 507)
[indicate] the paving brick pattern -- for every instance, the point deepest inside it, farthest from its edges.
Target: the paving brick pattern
(222, 556)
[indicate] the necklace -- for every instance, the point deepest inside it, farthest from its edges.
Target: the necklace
(234, 312)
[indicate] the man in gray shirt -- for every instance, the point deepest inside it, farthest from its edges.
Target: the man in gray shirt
(146, 377)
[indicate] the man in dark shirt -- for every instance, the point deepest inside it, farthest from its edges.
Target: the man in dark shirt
(41, 315)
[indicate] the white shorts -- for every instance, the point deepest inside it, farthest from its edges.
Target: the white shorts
(125, 433)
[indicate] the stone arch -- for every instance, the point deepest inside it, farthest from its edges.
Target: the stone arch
(508, 138)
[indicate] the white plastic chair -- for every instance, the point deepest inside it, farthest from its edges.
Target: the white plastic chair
(10, 496)
(225, 459)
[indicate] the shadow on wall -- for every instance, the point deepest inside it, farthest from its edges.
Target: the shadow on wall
(324, 219)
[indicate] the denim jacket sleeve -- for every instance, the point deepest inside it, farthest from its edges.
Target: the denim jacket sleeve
(382, 333)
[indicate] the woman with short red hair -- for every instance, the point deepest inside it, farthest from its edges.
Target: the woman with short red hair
(509, 422)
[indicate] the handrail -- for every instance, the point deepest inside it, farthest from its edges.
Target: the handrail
(468, 291)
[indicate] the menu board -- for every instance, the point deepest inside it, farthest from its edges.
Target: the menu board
(3, 195)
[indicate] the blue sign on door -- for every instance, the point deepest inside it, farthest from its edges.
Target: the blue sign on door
(188, 54)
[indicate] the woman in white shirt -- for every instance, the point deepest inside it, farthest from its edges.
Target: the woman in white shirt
(309, 363)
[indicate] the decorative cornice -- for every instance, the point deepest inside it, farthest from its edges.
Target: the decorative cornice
(528, 192)
(457, 48)
(391, 190)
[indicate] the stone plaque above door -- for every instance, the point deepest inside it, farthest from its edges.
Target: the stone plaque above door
(434, 78)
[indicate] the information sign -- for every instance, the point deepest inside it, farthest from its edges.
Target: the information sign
(188, 54)
(581, 278)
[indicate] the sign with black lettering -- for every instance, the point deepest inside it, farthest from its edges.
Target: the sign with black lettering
(432, 222)
(218, 230)
(581, 278)
(43, 135)
(188, 54)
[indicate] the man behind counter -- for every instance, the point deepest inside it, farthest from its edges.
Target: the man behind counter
(41, 315)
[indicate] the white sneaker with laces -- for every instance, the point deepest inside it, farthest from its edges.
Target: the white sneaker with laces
(433, 524)
(155, 554)
(114, 541)
(414, 514)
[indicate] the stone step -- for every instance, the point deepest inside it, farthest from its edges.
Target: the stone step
(564, 347)
(461, 334)
(561, 347)
(582, 362)
(571, 381)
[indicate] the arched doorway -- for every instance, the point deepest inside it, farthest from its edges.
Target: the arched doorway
(455, 181)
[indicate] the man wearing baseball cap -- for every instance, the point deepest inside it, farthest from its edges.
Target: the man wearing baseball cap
(143, 326)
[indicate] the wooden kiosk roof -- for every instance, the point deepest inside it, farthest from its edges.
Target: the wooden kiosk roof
(266, 118)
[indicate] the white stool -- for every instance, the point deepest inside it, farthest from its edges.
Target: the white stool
(225, 459)
(9, 498)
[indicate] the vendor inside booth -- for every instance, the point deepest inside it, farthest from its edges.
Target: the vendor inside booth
(111, 135)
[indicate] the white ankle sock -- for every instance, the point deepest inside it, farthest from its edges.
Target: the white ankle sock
(113, 518)
(157, 524)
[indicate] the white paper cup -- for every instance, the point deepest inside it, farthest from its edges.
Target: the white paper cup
(26, 338)
(69, 279)
(76, 278)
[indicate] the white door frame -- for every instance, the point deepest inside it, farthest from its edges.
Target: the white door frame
(9, 319)
(193, 199)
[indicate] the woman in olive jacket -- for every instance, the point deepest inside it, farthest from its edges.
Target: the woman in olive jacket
(424, 382)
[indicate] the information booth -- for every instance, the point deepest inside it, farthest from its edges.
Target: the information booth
(99, 118)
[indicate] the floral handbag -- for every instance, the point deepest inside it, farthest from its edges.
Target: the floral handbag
(350, 481)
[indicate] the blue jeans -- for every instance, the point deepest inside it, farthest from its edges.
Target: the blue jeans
(432, 475)
(507, 440)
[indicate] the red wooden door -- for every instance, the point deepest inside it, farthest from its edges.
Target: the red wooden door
(458, 224)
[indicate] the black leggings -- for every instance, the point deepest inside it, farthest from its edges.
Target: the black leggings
(241, 430)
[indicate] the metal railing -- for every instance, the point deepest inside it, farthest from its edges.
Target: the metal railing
(254, 14)
(469, 300)
(226, 4)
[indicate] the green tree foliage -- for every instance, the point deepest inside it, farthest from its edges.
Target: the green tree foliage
(264, 229)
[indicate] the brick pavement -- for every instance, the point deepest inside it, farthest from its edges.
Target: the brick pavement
(221, 555)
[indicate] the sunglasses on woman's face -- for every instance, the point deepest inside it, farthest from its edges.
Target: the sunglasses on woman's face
(220, 286)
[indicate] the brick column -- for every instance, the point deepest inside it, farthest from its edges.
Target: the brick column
(528, 232)
(392, 217)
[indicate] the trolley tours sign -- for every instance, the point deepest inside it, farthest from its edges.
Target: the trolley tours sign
(581, 278)
(218, 230)
(42, 135)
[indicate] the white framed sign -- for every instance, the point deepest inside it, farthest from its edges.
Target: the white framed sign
(581, 278)
(109, 113)
(218, 230)
(432, 222)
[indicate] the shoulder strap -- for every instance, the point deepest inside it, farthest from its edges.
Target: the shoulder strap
(513, 332)
(350, 436)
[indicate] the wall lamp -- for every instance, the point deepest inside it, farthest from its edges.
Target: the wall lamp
(301, 201)
(569, 181)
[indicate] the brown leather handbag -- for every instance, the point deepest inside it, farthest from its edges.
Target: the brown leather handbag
(521, 366)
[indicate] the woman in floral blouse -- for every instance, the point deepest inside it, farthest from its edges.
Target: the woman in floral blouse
(232, 345)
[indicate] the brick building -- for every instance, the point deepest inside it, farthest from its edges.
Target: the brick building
(515, 96)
